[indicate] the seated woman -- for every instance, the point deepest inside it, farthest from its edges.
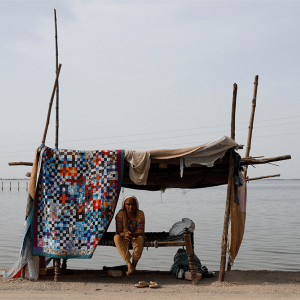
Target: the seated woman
(130, 226)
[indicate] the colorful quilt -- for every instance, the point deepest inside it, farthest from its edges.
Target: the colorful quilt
(75, 201)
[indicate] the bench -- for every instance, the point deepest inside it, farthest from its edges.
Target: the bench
(152, 239)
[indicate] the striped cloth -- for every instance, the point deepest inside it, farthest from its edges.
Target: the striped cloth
(121, 221)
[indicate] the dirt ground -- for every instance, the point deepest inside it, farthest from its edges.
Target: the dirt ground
(94, 284)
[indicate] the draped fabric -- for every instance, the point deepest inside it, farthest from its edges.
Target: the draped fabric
(237, 220)
(75, 201)
(18, 268)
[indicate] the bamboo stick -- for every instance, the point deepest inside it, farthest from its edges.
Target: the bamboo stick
(262, 177)
(57, 88)
(251, 120)
(21, 163)
(50, 105)
(233, 111)
(253, 161)
(233, 137)
(226, 219)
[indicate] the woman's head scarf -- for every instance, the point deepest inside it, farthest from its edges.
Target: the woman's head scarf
(127, 197)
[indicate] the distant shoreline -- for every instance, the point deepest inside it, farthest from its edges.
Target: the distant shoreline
(15, 178)
(29, 179)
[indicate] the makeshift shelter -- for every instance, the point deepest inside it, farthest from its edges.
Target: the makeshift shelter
(206, 165)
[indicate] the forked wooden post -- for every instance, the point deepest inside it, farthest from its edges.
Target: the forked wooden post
(230, 174)
(190, 255)
(251, 121)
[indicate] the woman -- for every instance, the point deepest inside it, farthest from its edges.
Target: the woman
(130, 226)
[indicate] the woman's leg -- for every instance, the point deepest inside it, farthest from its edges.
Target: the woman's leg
(138, 247)
(123, 248)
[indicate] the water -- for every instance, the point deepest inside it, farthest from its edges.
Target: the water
(271, 240)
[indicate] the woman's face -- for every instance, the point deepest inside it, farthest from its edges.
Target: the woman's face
(130, 205)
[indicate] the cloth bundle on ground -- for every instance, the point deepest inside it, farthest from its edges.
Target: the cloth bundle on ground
(72, 200)
(181, 260)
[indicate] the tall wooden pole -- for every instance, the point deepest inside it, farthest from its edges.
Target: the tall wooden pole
(50, 105)
(233, 111)
(251, 121)
(229, 185)
(232, 136)
(57, 260)
(57, 89)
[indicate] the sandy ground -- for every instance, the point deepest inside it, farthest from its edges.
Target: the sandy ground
(98, 285)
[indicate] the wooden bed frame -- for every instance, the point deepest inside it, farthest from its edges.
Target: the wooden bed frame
(152, 239)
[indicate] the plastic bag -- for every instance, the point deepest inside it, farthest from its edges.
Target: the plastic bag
(177, 228)
(32, 268)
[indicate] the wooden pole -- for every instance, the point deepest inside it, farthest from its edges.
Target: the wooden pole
(262, 177)
(230, 179)
(233, 111)
(226, 219)
(56, 269)
(21, 163)
(57, 97)
(50, 105)
(190, 255)
(254, 161)
(251, 120)
(57, 89)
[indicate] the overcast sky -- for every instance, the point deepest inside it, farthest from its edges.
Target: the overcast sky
(150, 75)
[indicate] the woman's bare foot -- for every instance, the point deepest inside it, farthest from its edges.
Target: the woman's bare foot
(134, 263)
(131, 269)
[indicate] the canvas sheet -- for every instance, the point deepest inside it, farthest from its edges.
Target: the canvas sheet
(75, 201)
(205, 155)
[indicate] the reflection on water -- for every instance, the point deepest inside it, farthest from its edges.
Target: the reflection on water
(271, 240)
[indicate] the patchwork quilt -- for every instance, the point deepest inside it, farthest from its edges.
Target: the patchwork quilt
(75, 201)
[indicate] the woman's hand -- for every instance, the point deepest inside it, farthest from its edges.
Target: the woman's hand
(127, 236)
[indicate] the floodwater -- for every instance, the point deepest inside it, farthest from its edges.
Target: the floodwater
(271, 240)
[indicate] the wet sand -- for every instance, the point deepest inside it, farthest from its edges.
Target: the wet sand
(94, 284)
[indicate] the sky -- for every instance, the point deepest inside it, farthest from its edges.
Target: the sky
(146, 75)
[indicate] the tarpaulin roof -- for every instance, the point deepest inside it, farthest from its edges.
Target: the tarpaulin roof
(201, 166)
